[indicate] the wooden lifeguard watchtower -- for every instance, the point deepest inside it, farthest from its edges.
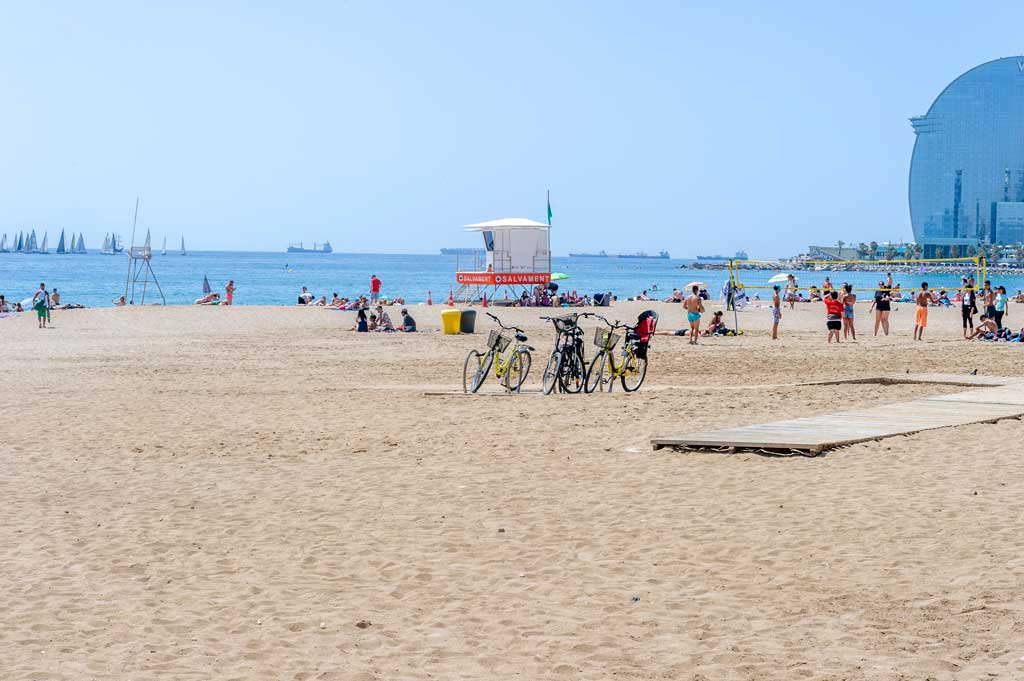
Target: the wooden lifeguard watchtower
(517, 256)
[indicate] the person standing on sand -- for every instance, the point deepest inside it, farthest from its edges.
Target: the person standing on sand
(968, 305)
(881, 306)
(989, 299)
(776, 312)
(924, 297)
(374, 289)
(848, 298)
(694, 307)
(833, 315)
(41, 303)
(229, 293)
(999, 304)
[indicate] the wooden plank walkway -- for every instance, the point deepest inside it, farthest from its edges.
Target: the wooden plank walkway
(813, 434)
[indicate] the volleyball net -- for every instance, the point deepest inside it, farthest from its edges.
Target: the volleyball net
(755, 276)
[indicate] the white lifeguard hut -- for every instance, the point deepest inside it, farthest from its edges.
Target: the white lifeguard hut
(517, 256)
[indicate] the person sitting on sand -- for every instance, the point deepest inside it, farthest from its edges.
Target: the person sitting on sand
(119, 302)
(209, 299)
(54, 299)
(322, 302)
(361, 325)
(408, 323)
(1019, 298)
(372, 325)
(986, 325)
(384, 320)
(4, 307)
(716, 325)
(305, 298)
(814, 294)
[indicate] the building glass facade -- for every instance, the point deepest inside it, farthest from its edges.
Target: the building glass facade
(967, 170)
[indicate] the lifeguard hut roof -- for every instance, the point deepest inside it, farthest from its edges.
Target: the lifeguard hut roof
(507, 223)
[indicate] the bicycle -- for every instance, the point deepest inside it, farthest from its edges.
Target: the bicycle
(566, 368)
(632, 366)
(512, 368)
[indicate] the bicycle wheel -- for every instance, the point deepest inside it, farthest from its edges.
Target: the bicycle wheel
(550, 378)
(595, 373)
(513, 375)
(526, 361)
(574, 372)
(633, 373)
(475, 370)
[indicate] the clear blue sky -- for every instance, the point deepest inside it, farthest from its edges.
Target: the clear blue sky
(385, 126)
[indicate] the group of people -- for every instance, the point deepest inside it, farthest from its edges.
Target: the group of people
(379, 320)
(548, 296)
(43, 301)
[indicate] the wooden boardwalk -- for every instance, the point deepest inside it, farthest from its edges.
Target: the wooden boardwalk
(1000, 398)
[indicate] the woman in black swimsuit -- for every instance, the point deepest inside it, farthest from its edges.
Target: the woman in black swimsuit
(881, 307)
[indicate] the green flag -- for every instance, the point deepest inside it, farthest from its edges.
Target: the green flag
(549, 209)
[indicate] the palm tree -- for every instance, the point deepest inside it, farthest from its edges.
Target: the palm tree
(890, 252)
(1018, 254)
(862, 250)
(918, 251)
(971, 251)
(874, 249)
(840, 244)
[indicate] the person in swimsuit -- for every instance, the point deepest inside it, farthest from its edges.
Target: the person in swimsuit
(694, 307)
(792, 291)
(229, 292)
(924, 297)
(988, 296)
(776, 312)
(833, 315)
(849, 298)
(881, 306)
(41, 303)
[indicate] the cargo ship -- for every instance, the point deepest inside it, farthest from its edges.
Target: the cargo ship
(324, 248)
(599, 254)
(663, 255)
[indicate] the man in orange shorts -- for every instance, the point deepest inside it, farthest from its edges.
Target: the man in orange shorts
(924, 298)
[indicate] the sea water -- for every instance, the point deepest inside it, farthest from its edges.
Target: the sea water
(96, 280)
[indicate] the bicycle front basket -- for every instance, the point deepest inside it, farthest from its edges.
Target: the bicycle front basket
(497, 341)
(566, 323)
(605, 338)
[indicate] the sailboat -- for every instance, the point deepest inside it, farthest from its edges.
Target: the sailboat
(148, 245)
(164, 251)
(3, 244)
(71, 248)
(61, 249)
(32, 246)
(182, 245)
(80, 248)
(21, 243)
(106, 250)
(116, 243)
(45, 247)
(206, 286)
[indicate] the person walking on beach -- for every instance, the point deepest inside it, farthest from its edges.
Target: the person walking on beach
(881, 307)
(999, 304)
(229, 293)
(694, 307)
(41, 303)
(792, 291)
(924, 298)
(968, 305)
(374, 289)
(776, 312)
(833, 315)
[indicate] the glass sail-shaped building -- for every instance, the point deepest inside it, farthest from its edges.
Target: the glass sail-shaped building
(967, 170)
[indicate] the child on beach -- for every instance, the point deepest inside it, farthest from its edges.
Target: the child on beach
(229, 292)
(924, 297)
(833, 315)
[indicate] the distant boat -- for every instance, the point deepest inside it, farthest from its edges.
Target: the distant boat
(20, 246)
(116, 243)
(462, 251)
(206, 286)
(663, 255)
(60, 244)
(32, 246)
(325, 248)
(599, 254)
(74, 243)
(106, 249)
(164, 251)
(80, 248)
(3, 244)
(182, 246)
(45, 247)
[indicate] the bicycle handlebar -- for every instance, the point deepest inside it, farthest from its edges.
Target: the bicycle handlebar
(507, 328)
(616, 325)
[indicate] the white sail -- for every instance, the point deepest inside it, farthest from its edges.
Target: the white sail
(3, 243)
(183, 245)
(45, 247)
(106, 250)
(148, 245)
(33, 245)
(164, 251)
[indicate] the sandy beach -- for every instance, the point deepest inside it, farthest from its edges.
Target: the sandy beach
(259, 493)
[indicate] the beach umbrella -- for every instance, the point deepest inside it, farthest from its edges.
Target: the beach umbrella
(698, 284)
(559, 276)
(206, 285)
(779, 278)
